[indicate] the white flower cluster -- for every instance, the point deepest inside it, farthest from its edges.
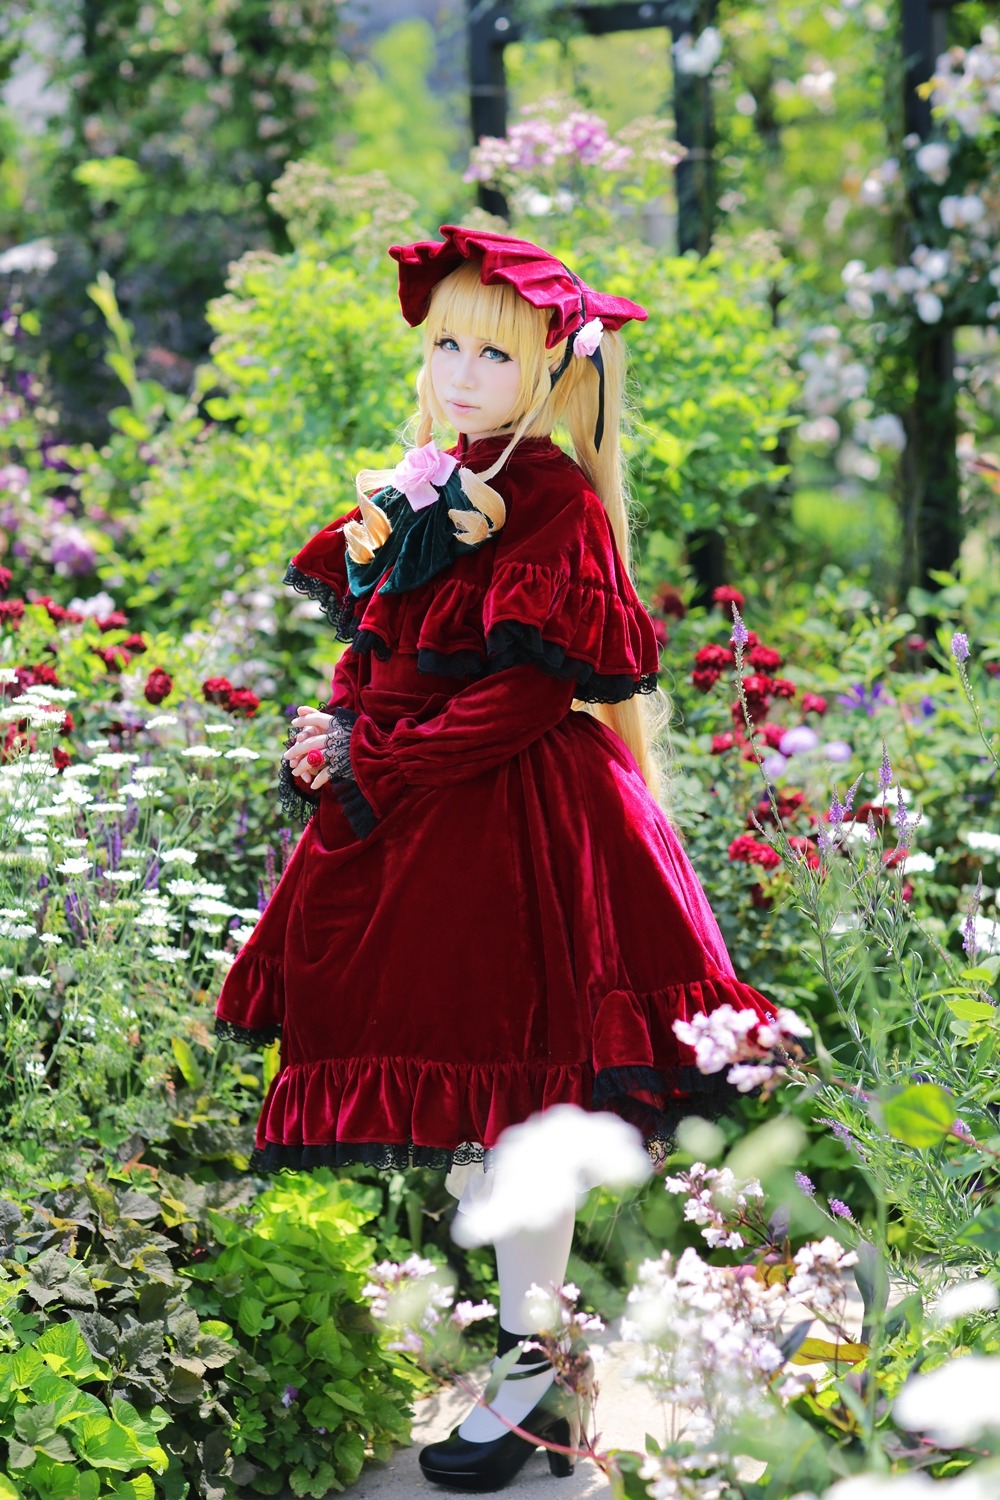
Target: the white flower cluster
(967, 85)
(710, 1339)
(712, 1195)
(818, 1269)
(413, 1296)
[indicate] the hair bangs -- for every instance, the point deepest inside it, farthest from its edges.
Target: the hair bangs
(496, 313)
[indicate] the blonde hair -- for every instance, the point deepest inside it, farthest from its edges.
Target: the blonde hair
(461, 303)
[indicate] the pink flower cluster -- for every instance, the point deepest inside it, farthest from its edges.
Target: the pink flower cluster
(713, 1194)
(548, 136)
(752, 1050)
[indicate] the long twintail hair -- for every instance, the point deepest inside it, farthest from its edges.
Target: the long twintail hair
(461, 304)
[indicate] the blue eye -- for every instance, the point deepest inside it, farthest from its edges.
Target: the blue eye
(446, 343)
(501, 357)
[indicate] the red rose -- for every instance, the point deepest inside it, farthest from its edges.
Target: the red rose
(723, 742)
(57, 614)
(61, 758)
(757, 685)
(243, 702)
(783, 688)
(41, 675)
(67, 726)
(726, 597)
(764, 659)
(716, 657)
(915, 643)
(159, 685)
(114, 621)
(661, 633)
(771, 734)
(668, 601)
(5, 579)
(812, 703)
(907, 891)
(11, 612)
(216, 689)
(993, 668)
(135, 644)
(113, 657)
(704, 681)
(17, 739)
(790, 802)
(759, 899)
(748, 850)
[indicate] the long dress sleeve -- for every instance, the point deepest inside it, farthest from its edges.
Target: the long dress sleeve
(480, 727)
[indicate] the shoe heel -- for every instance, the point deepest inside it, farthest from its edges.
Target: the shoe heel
(560, 1464)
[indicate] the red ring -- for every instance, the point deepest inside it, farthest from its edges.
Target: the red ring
(314, 758)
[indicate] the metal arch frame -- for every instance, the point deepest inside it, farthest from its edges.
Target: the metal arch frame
(492, 28)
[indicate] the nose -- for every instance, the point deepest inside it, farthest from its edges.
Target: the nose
(463, 375)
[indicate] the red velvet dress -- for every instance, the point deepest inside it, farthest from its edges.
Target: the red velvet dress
(495, 916)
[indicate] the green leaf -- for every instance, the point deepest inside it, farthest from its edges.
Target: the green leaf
(187, 1062)
(64, 1350)
(54, 1277)
(920, 1115)
(972, 1010)
(983, 1231)
(36, 1428)
(8, 1489)
(349, 1449)
(139, 1488)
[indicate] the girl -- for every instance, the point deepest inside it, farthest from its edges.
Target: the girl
(488, 913)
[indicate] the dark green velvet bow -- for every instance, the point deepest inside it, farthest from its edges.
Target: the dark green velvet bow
(422, 542)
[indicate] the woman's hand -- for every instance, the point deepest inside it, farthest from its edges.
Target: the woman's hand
(313, 727)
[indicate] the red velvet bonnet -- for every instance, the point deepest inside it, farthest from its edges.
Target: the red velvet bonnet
(536, 275)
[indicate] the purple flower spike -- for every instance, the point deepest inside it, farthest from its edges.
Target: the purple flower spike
(740, 633)
(960, 646)
(885, 770)
(969, 940)
(805, 1185)
(840, 1210)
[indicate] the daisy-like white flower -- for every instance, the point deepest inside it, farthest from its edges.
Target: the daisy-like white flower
(169, 955)
(73, 866)
(176, 856)
(201, 752)
(161, 721)
(242, 753)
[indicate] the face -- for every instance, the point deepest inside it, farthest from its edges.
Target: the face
(475, 383)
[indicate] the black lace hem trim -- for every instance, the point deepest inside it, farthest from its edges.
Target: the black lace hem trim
(706, 1095)
(296, 804)
(252, 1036)
(338, 608)
(385, 1156)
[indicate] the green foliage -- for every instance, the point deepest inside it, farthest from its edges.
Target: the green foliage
(115, 1365)
(319, 1394)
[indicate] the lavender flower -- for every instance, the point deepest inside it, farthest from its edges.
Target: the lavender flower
(969, 939)
(805, 1185)
(885, 770)
(960, 646)
(740, 633)
(840, 1210)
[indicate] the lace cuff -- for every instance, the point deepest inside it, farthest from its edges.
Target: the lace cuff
(294, 800)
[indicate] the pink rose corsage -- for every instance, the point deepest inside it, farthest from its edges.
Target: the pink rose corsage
(588, 338)
(419, 470)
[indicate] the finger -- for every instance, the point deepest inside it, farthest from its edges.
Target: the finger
(302, 747)
(322, 777)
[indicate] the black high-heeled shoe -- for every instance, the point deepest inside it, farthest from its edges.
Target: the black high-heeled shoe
(480, 1467)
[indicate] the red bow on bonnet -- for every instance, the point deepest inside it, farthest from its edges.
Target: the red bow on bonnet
(536, 275)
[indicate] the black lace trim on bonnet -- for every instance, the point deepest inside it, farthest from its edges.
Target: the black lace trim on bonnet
(338, 608)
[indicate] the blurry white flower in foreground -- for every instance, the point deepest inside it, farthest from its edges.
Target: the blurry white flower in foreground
(954, 1404)
(883, 1487)
(966, 1297)
(545, 1165)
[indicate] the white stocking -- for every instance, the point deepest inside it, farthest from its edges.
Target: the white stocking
(528, 1258)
